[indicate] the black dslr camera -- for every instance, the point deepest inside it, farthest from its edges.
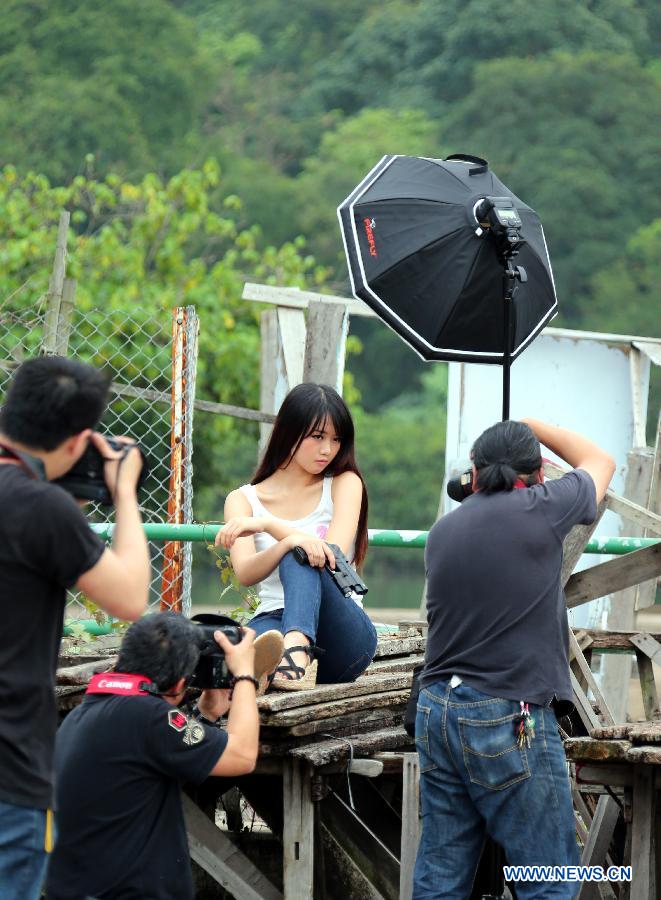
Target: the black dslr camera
(85, 480)
(461, 486)
(211, 670)
(346, 578)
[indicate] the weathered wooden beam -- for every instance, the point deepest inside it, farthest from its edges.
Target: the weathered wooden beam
(595, 750)
(357, 720)
(297, 299)
(366, 684)
(646, 592)
(647, 652)
(616, 640)
(616, 669)
(373, 858)
(325, 344)
(589, 679)
(65, 317)
(226, 409)
(216, 854)
(612, 775)
(396, 664)
(367, 768)
(410, 823)
(82, 673)
(620, 505)
(582, 704)
(55, 287)
(340, 748)
(649, 754)
(613, 575)
(599, 839)
(574, 544)
(341, 877)
(395, 646)
(298, 831)
(643, 835)
(320, 711)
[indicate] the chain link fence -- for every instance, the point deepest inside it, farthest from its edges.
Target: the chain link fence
(151, 400)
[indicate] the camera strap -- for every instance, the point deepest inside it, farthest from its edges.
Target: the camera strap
(32, 464)
(121, 684)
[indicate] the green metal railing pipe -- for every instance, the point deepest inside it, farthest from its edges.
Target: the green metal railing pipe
(378, 537)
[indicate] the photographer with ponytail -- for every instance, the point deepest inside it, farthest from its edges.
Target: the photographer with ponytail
(496, 665)
(306, 492)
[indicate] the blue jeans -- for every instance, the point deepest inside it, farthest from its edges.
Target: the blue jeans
(22, 851)
(316, 606)
(475, 780)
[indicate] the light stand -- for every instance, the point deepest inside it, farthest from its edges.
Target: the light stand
(500, 220)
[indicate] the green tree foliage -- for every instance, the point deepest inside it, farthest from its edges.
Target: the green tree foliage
(424, 54)
(122, 80)
(344, 156)
(564, 144)
(626, 292)
(140, 249)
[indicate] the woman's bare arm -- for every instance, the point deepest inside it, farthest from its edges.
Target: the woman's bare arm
(347, 491)
(250, 565)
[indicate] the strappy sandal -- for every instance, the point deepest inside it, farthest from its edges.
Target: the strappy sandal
(297, 678)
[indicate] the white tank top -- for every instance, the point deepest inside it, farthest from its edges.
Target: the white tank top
(270, 590)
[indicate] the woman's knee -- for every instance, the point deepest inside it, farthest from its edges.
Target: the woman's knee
(290, 568)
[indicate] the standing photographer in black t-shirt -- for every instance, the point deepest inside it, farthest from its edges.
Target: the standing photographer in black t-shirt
(46, 547)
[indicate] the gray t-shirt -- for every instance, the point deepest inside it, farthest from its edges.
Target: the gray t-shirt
(495, 606)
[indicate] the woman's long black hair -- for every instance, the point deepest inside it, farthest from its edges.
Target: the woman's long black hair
(303, 411)
(503, 452)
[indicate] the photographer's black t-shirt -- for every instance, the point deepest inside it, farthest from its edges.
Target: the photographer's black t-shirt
(46, 544)
(119, 763)
(495, 604)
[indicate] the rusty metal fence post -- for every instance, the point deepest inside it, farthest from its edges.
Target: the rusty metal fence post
(177, 562)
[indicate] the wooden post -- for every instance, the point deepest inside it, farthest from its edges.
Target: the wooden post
(598, 842)
(648, 651)
(588, 677)
(281, 363)
(65, 318)
(646, 591)
(298, 831)
(616, 668)
(643, 837)
(639, 375)
(325, 345)
(410, 823)
(55, 286)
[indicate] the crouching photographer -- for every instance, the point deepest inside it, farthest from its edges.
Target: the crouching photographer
(122, 755)
(496, 663)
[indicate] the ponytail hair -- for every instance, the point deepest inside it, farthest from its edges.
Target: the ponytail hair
(502, 453)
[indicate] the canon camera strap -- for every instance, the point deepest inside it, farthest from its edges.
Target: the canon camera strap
(121, 684)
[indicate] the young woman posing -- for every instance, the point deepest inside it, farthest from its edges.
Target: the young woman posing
(306, 492)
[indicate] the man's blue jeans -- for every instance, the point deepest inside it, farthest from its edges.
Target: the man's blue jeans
(22, 851)
(475, 780)
(316, 606)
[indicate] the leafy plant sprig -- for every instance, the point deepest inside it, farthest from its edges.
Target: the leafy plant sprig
(249, 598)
